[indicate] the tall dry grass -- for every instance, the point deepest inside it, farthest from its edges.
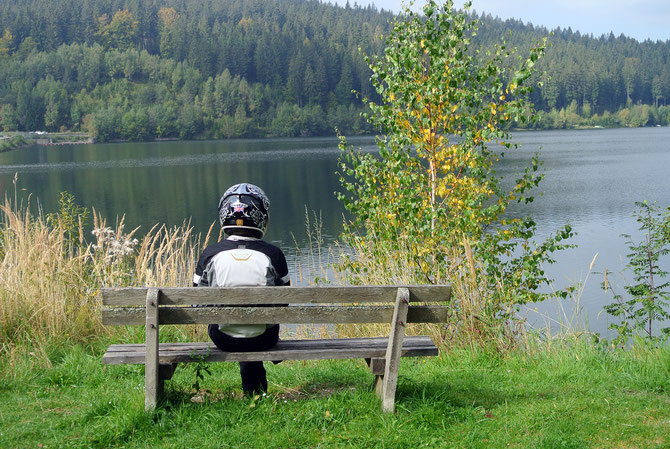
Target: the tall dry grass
(369, 262)
(483, 314)
(163, 257)
(45, 286)
(49, 280)
(479, 316)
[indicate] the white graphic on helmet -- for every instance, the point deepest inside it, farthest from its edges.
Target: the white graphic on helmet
(258, 192)
(259, 218)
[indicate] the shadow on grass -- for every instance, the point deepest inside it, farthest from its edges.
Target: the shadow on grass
(453, 395)
(321, 384)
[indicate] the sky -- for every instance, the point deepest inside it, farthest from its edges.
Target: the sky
(639, 19)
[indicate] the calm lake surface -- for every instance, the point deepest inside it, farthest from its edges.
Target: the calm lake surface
(593, 179)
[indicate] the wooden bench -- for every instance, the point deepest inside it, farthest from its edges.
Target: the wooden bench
(246, 305)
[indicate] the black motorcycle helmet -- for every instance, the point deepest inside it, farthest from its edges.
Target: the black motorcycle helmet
(244, 206)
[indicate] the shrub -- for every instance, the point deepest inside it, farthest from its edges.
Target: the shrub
(430, 208)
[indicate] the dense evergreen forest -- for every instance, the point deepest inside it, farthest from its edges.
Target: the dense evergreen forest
(144, 69)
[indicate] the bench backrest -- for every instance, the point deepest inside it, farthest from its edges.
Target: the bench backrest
(248, 305)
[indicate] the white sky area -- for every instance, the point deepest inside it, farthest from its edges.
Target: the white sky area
(639, 19)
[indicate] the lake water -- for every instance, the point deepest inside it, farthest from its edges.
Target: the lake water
(593, 178)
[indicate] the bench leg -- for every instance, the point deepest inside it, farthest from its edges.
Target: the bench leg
(394, 350)
(153, 387)
(379, 386)
(377, 367)
(153, 384)
(165, 372)
(155, 390)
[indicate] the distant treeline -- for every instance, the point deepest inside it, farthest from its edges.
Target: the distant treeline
(144, 69)
(606, 73)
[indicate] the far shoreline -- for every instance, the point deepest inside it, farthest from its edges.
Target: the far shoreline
(17, 140)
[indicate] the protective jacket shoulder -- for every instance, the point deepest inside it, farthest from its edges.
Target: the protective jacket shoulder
(241, 262)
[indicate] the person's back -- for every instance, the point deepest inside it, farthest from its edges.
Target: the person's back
(243, 260)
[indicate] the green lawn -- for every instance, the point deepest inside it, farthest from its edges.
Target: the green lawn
(573, 395)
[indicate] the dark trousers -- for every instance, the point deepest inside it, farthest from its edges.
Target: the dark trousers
(253, 375)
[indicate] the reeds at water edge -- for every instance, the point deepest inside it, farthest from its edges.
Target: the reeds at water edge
(50, 275)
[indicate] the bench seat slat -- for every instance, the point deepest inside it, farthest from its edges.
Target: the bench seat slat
(285, 350)
(292, 315)
(263, 295)
(284, 344)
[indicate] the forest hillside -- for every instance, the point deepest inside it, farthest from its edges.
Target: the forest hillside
(145, 69)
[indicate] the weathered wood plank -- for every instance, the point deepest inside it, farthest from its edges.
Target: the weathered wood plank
(294, 354)
(213, 354)
(394, 350)
(292, 314)
(334, 343)
(152, 380)
(421, 346)
(291, 344)
(311, 354)
(328, 353)
(272, 295)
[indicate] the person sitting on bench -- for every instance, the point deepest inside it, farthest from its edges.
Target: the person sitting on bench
(243, 260)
